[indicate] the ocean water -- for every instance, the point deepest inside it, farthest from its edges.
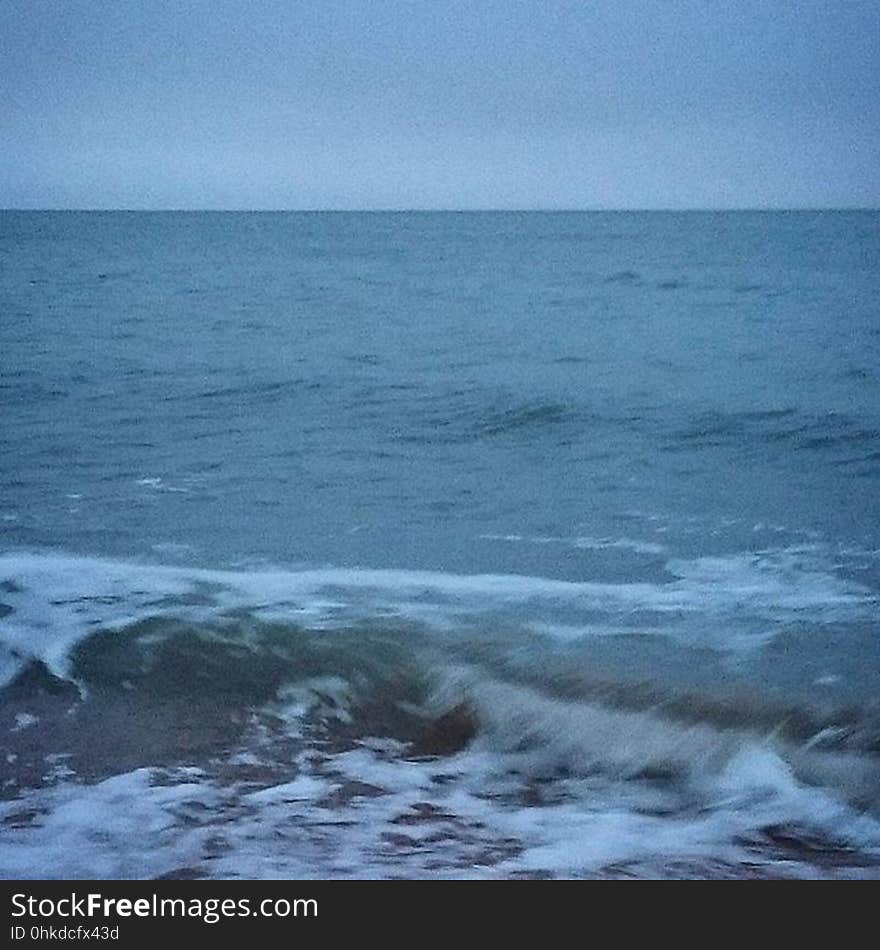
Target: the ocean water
(440, 545)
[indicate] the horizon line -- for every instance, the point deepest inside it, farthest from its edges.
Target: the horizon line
(743, 209)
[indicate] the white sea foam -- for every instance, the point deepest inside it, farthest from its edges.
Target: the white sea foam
(124, 827)
(548, 786)
(583, 542)
(722, 602)
(370, 813)
(24, 720)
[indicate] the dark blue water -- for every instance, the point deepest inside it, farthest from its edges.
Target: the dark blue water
(614, 474)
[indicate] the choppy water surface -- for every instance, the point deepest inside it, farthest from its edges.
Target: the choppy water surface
(451, 545)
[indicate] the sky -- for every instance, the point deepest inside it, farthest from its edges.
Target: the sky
(453, 104)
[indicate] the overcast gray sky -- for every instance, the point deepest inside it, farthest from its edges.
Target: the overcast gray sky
(440, 103)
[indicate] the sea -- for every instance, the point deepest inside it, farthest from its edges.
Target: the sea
(439, 545)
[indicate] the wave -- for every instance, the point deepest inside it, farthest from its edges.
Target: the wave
(464, 418)
(264, 750)
(53, 600)
(829, 433)
(345, 722)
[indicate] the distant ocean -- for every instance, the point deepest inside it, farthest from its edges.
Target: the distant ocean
(484, 545)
